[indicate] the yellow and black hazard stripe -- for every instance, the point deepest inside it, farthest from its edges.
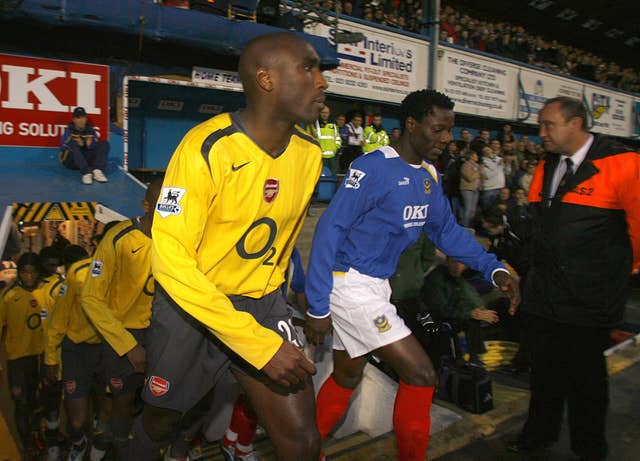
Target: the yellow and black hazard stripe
(35, 212)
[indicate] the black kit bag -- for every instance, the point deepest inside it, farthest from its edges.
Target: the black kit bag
(468, 386)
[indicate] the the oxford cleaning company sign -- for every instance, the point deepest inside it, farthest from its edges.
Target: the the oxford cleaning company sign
(384, 66)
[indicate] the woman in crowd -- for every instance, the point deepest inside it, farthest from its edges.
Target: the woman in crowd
(470, 181)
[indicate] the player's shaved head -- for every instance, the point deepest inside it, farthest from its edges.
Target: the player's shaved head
(267, 52)
(153, 190)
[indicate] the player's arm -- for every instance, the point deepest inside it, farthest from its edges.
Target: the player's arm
(58, 323)
(95, 299)
(455, 241)
(177, 234)
(356, 196)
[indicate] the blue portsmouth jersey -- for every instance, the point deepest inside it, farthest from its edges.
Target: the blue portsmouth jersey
(379, 211)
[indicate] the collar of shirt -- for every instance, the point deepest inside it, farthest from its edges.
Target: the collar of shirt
(580, 154)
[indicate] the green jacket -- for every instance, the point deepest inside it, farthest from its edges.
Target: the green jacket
(328, 137)
(447, 297)
(413, 264)
(374, 139)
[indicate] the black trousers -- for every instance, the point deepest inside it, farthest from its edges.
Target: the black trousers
(568, 365)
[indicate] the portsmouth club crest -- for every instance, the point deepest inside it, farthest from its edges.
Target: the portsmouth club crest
(169, 202)
(271, 189)
(427, 186)
(381, 322)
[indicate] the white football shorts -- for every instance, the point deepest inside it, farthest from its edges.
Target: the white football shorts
(363, 317)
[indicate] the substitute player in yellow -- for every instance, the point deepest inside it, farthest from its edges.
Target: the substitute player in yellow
(24, 308)
(73, 342)
(234, 199)
(117, 298)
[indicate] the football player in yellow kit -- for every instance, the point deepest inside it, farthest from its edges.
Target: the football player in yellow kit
(24, 307)
(72, 341)
(116, 297)
(234, 199)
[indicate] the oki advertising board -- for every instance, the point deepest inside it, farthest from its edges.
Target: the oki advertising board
(37, 97)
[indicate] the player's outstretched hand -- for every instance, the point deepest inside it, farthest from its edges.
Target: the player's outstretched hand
(289, 367)
(509, 286)
(316, 329)
(138, 358)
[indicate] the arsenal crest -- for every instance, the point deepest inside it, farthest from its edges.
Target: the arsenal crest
(158, 386)
(271, 189)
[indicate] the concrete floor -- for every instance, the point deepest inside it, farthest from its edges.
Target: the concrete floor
(623, 429)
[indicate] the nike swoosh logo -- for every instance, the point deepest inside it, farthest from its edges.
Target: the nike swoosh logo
(236, 168)
(136, 250)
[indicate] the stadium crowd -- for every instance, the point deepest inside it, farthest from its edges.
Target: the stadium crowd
(473, 31)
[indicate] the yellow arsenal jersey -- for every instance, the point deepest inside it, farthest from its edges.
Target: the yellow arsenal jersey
(23, 314)
(118, 289)
(225, 224)
(68, 318)
(50, 289)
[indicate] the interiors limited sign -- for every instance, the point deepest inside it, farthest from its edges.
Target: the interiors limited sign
(37, 97)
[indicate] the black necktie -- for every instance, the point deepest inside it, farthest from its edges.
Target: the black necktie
(566, 179)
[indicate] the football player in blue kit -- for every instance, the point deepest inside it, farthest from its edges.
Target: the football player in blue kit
(388, 198)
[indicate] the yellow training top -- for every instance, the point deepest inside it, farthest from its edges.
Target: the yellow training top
(69, 318)
(24, 314)
(225, 224)
(119, 288)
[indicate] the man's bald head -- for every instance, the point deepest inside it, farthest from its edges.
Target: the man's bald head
(267, 52)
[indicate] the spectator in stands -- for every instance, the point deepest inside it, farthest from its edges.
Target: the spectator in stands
(484, 136)
(355, 141)
(395, 137)
(504, 200)
(329, 139)
(450, 298)
(81, 149)
(449, 165)
(525, 179)
(512, 172)
(407, 282)
(518, 214)
(470, 182)
(341, 122)
(492, 176)
(464, 144)
(531, 151)
(503, 242)
(374, 135)
(347, 8)
(506, 135)
(493, 45)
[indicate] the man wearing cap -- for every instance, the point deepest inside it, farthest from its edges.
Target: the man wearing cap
(81, 149)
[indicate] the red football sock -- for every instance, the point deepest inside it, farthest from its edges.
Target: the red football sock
(331, 404)
(243, 423)
(412, 421)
